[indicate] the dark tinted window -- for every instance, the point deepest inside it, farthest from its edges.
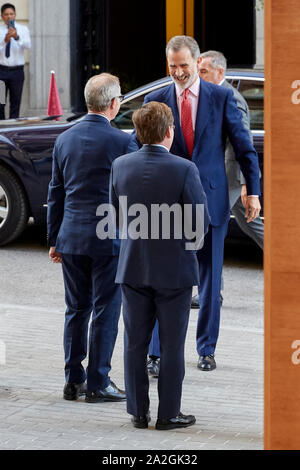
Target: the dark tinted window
(253, 92)
(124, 118)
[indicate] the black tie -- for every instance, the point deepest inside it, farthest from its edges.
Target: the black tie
(7, 49)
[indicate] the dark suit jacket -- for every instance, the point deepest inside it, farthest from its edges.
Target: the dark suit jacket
(217, 118)
(82, 159)
(154, 176)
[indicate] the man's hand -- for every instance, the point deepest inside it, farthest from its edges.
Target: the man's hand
(8, 36)
(54, 256)
(252, 208)
(244, 194)
(12, 33)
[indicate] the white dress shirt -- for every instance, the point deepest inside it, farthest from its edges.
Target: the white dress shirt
(17, 48)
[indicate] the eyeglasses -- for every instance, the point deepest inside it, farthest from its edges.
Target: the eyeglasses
(120, 98)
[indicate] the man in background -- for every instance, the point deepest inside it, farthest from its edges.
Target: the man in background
(213, 69)
(82, 159)
(14, 39)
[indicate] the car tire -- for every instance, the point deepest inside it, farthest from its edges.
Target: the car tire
(14, 212)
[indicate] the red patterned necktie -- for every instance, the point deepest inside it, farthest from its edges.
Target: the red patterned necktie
(186, 122)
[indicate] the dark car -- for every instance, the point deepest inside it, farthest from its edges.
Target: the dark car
(26, 151)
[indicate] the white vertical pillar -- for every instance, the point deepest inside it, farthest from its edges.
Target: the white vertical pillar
(49, 24)
(260, 30)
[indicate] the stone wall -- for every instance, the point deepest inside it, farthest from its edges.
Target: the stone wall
(50, 33)
(260, 43)
(49, 24)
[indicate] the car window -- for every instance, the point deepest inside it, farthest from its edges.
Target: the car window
(123, 120)
(253, 92)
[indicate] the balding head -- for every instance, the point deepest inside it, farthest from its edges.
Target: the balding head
(100, 90)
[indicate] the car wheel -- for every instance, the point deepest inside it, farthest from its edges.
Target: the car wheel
(14, 211)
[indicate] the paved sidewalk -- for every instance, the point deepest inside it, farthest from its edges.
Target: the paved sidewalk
(228, 402)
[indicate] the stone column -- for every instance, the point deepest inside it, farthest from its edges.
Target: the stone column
(260, 43)
(282, 225)
(49, 23)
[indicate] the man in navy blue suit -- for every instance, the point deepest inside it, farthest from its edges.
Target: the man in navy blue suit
(82, 159)
(204, 115)
(157, 265)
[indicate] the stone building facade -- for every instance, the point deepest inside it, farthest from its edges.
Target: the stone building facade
(49, 24)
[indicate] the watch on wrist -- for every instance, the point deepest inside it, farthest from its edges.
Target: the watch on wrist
(17, 38)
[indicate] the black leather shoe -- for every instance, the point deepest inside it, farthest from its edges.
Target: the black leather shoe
(110, 393)
(181, 421)
(73, 391)
(141, 422)
(195, 301)
(207, 363)
(153, 366)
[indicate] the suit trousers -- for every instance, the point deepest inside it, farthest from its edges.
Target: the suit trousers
(90, 289)
(210, 259)
(154, 348)
(13, 77)
(254, 229)
(141, 307)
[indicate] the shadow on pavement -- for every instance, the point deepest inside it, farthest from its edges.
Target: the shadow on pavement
(236, 249)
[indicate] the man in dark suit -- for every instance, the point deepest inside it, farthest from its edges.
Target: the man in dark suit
(204, 115)
(156, 271)
(82, 159)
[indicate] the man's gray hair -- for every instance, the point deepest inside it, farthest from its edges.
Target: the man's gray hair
(218, 59)
(100, 90)
(179, 42)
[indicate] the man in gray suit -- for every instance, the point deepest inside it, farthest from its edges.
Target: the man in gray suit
(212, 69)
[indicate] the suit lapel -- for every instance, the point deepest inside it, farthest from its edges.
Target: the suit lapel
(203, 112)
(172, 101)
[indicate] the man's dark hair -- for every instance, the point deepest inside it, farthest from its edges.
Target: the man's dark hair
(5, 6)
(152, 121)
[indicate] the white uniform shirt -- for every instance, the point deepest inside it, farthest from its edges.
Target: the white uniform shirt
(16, 47)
